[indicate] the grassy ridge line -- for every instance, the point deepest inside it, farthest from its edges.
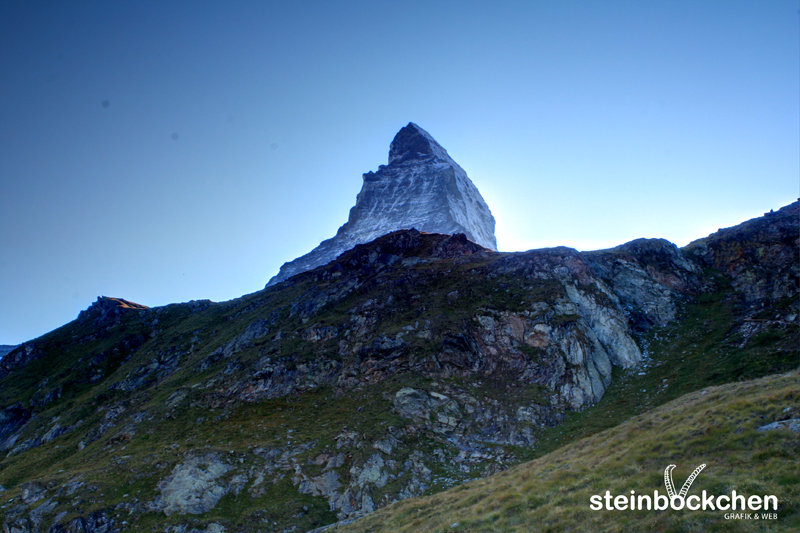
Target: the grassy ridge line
(716, 426)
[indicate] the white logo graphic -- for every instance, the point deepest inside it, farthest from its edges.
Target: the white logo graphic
(685, 488)
(679, 500)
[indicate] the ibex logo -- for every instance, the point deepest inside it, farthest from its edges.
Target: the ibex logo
(685, 488)
(679, 500)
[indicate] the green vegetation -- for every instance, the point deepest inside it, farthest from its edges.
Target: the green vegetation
(143, 392)
(698, 350)
(717, 426)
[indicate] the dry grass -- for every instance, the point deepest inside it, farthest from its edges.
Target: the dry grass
(716, 426)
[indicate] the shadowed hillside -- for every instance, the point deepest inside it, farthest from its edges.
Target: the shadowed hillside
(405, 367)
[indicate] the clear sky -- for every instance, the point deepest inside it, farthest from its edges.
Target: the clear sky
(168, 151)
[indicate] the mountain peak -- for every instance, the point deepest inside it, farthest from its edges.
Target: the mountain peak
(414, 143)
(107, 308)
(421, 187)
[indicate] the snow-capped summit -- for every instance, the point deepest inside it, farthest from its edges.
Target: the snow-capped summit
(421, 187)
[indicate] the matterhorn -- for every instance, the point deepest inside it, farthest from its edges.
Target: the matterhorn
(421, 187)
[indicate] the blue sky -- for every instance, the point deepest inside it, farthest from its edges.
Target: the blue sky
(168, 151)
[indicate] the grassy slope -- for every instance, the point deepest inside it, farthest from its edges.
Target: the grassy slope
(716, 426)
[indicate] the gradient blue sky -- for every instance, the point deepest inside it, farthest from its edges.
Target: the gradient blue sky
(169, 151)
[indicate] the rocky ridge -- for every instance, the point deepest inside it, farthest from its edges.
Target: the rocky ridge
(759, 255)
(6, 349)
(407, 365)
(421, 187)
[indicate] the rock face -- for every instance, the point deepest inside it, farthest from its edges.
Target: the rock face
(551, 323)
(106, 311)
(760, 255)
(645, 274)
(422, 188)
(6, 349)
(193, 487)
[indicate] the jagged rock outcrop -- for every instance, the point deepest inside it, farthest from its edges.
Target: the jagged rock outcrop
(421, 187)
(560, 327)
(645, 275)
(194, 486)
(6, 349)
(762, 255)
(106, 310)
(19, 356)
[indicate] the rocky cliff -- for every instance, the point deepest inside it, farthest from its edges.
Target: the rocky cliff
(421, 187)
(759, 256)
(6, 348)
(407, 365)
